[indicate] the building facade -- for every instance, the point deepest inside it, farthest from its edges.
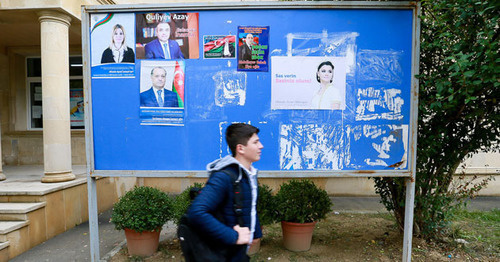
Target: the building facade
(41, 83)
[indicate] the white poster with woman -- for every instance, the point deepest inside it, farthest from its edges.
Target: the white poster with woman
(112, 49)
(308, 82)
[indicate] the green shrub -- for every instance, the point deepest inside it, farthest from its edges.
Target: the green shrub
(458, 110)
(266, 206)
(181, 203)
(142, 209)
(302, 202)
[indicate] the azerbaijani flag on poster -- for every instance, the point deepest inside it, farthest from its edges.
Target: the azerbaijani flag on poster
(217, 45)
(102, 21)
(178, 83)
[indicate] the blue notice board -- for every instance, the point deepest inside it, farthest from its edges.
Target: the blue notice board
(329, 88)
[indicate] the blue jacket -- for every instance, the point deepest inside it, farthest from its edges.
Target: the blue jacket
(218, 195)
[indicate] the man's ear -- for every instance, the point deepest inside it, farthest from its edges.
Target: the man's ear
(240, 149)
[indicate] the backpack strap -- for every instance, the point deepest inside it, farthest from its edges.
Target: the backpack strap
(238, 194)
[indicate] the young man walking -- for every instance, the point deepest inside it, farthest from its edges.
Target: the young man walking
(217, 197)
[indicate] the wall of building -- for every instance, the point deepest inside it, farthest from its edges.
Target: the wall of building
(71, 6)
(26, 148)
(4, 90)
(58, 210)
(21, 146)
(339, 186)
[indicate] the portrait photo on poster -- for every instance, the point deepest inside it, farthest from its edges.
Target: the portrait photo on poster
(253, 48)
(161, 92)
(167, 36)
(112, 38)
(317, 83)
(165, 78)
(112, 45)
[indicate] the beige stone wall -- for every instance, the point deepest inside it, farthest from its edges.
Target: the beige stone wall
(23, 149)
(22, 4)
(340, 186)
(4, 109)
(71, 6)
(334, 186)
(78, 155)
(21, 146)
(26, 148)
(4, 90)
(482, 163)
(16, 103)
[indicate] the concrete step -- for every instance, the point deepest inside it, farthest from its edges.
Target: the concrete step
(7, 227)
(18, 211)
(4, 245)
(17, 233)
(23, 225)
(4, 251)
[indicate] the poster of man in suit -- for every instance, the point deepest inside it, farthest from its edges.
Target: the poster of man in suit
(157, 95)
(253, 48)
(167, 36)
(161, 92)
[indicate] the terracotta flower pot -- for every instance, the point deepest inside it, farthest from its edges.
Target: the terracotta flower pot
(297, 236)
(254, 247)
(142, 244)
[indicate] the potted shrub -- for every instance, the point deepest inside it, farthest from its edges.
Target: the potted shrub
(142, 212)
(300, 204)
(266, 209)
(182, 201)
(266, 206)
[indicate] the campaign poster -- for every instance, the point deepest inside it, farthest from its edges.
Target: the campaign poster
(112, 45)
(161, 92)
(253, 48)
(219, 46)
(167, 36)
(308, 82)
(77, 110)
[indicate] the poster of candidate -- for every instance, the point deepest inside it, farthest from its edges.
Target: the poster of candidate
(253, 48)
(167, 36)
(162, 93)
(308, 83)
(112, 45)
(219, 46)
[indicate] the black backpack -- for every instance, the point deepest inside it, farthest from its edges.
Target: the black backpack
(194, 245)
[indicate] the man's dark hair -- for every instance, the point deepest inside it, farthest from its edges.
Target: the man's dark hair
(239, 133)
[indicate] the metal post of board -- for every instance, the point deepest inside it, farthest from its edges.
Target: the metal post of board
(91, 181)
(408, 229)
(410, 181)
(93, 219)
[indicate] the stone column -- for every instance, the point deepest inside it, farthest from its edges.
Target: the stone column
(54, 28)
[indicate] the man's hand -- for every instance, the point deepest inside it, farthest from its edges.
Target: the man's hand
(243, 235)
